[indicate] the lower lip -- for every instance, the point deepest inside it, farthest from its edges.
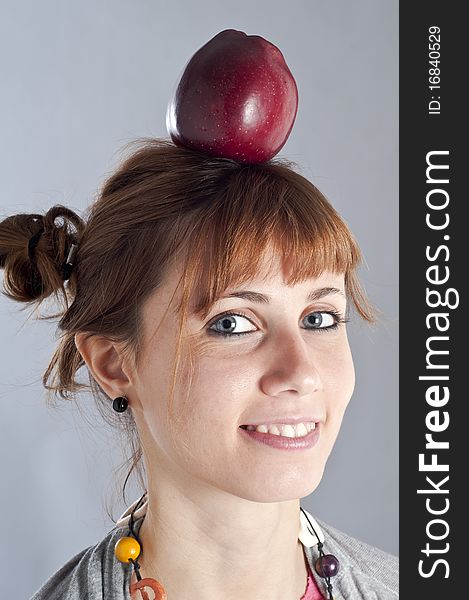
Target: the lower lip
(285, 443)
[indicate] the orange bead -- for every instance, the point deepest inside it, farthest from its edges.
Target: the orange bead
(127, 548)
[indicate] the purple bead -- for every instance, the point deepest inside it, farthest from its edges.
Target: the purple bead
(327, 566)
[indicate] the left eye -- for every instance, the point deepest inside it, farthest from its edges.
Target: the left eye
(320, 320)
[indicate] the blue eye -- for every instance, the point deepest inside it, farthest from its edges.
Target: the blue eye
(227, 320)
(321, 321)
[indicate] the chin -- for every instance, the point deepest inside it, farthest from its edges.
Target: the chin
(293, 487)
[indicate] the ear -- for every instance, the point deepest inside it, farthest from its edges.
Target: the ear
(105, 362)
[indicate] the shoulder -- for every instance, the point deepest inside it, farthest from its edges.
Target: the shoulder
(368, 571)
(88, 575)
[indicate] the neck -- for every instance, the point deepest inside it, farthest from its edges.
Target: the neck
(228, 548)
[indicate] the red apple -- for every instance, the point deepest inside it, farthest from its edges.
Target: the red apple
(236, 99)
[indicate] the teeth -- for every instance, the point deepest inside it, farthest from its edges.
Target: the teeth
(285, 430)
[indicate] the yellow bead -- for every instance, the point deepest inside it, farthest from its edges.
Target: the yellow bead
(127, 548)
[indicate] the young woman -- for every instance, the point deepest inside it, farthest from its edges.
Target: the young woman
(207, 301)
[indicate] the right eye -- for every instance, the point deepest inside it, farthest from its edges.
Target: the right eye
(225, 323)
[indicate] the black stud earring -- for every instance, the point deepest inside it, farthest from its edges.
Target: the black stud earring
(120, 404)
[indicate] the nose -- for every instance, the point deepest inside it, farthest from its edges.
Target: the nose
(291, 367)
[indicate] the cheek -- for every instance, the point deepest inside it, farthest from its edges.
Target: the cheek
(339, 378)
(222, 389)
(207, 431)
(218, 392)
(154, 385)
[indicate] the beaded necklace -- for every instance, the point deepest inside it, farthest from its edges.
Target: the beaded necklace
(128, 549)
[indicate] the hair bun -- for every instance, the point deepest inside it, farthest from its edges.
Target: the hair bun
(34, 250)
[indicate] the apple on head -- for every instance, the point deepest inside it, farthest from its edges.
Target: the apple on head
(236, 99)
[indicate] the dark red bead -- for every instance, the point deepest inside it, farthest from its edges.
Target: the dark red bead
(327, 566)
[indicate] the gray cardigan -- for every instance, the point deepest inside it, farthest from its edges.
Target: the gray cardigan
(95, 574)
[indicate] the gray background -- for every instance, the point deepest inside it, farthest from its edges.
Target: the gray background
(79, 80)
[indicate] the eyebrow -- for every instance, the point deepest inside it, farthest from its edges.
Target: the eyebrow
(265, 299)
(259, 298)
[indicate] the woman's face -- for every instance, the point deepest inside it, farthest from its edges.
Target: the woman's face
(289, 360)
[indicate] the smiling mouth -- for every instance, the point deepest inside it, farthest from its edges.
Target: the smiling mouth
(286, 430)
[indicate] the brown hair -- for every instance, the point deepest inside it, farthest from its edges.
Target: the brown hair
(163, 202)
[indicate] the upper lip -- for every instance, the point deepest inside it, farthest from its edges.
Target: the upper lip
(304, 419)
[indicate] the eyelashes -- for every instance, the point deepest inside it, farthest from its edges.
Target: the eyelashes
(319, 316)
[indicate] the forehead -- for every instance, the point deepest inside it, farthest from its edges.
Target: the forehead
(273, 273)
(269, 282)
(270, 278)
(275, 289)
(275, 270)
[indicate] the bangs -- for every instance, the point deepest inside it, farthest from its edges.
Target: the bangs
(260, 209)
